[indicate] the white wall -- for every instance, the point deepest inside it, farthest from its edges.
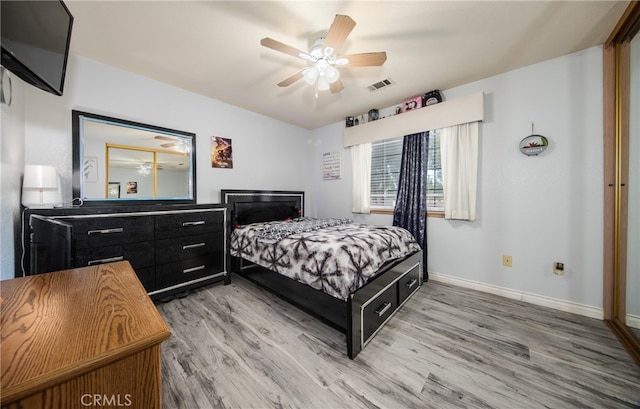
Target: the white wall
(536, 209)
(261, 145)
(11, 169)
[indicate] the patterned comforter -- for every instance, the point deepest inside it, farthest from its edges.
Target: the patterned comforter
(337, 259)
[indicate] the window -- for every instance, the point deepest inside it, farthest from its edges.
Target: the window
(385, 171)
(386, 156)
(435, 194)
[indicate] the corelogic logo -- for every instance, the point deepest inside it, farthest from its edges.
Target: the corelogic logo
(98, 400)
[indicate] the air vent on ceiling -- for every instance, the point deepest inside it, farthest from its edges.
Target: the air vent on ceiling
(381, 84)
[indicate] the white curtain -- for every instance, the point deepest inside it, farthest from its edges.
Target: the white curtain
(361, 168)
(459, 154)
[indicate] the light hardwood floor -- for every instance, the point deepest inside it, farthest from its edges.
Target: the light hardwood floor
(239, 346)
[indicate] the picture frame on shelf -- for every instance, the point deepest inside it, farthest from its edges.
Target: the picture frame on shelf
(412, 104)
(432, 98)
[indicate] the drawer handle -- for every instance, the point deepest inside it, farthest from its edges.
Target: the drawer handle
(411, 283)
(192, 269)
(199, 222)
(192, 246)
(106, 231)
(105, 260)
(385, 307)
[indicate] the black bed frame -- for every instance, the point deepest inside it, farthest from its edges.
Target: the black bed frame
(365, 311)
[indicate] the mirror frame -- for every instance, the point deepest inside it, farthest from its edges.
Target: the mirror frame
(77, 152)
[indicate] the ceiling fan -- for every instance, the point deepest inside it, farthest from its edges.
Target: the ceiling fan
(322, 58)
(179, 144)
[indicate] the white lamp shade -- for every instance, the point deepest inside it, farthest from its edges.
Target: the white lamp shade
(331, 73)
(41, 186)
(40, 177)
(323, 84)
(310, 75)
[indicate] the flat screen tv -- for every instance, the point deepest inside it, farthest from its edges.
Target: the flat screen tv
(35, 41)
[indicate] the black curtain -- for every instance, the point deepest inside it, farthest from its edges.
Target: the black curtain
(410, 211)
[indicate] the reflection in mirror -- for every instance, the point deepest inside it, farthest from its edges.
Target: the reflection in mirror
(122, 161)
(632, 318)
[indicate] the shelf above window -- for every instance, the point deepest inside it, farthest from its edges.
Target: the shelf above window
(457, 111)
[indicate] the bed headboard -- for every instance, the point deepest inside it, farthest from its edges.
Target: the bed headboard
(251, 206)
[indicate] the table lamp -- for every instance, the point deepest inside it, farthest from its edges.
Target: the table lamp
(40, 187)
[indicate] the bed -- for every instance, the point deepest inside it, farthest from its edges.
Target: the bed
(274, 245)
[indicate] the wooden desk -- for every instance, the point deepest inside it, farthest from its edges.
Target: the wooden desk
(87, 337)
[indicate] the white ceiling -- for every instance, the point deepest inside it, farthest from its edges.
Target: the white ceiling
(213, 47)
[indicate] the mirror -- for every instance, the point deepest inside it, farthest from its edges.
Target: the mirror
(116, 161)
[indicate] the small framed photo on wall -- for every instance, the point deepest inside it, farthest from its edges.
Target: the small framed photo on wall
(114, 190)
(221, 153)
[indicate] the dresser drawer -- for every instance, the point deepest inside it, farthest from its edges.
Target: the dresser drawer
(179, 248)
(188, 223)
(378, 310)
(189, 269)
(408, 283)
(138, 254)
(147, 277)
(106, 231)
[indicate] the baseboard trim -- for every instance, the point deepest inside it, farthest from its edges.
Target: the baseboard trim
(562, 305)
(633, 321)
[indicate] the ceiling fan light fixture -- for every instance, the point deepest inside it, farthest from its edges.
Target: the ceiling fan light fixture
(331, 73)
(144, 168)
(182, 147)
(323, 83)
(322, 58)
(310, 75)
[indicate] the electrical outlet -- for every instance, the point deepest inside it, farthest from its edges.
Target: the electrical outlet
(506, 261)
(558, 268)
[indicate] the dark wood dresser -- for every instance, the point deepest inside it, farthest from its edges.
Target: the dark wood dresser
(86, 337)
(171, 248)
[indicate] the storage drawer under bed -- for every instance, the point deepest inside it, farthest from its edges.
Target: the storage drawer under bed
(378, 310)
(375, 304)
(408, 283)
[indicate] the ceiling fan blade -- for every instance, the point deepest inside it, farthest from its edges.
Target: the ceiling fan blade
(169, 145)
(365, 59)
(339, 31)
(336, 87)
(166, 138)
(283, 48)
(288, 81)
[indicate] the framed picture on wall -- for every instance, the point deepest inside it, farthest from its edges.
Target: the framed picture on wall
(90, 169)
(114, 190)
(221, 153)
(132, 188)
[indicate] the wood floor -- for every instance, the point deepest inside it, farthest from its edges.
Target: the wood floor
(238, 346)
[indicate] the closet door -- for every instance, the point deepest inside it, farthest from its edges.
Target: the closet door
(622, 181)
(631, 311)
